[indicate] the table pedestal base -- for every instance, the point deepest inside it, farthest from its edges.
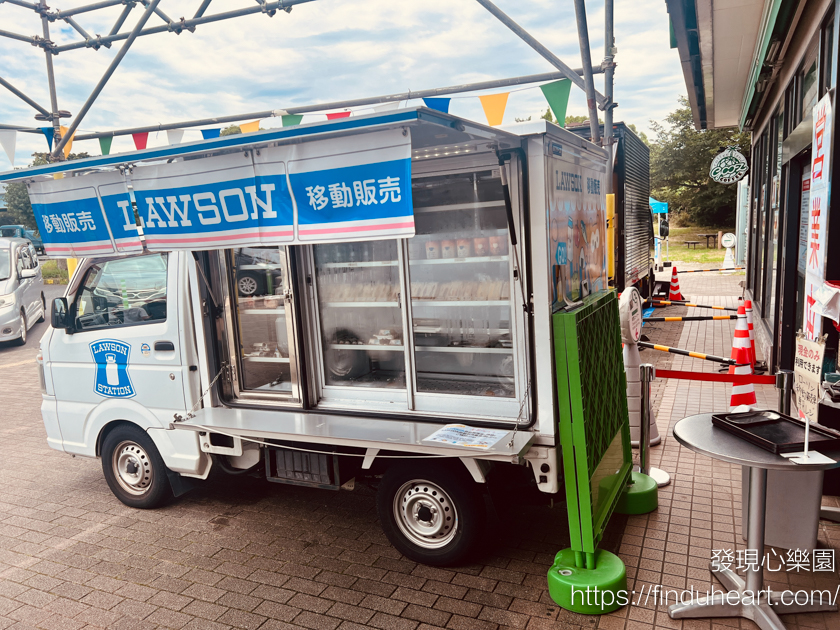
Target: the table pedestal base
(737, 603)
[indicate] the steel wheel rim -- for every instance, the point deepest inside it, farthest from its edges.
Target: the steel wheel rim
(247, 285)
(425, 514)
(132, 468)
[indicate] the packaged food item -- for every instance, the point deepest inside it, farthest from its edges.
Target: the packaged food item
(464, 248)
(498, 245)
(432, 250)
(416, 248)
(447, 248)
(481, 247)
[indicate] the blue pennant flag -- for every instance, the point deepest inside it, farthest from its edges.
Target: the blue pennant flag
(49, 133)
(440, 104)
(210, 133)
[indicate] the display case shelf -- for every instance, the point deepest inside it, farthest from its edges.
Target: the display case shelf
(361, 304)
(352, 265)
(349, 346)
(477, 205)
(267, 359)
(462, 261)
(263, 311)
(417, 302)
(463, 349)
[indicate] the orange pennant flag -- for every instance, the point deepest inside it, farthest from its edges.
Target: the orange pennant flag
(494, 107)
(249, 127)
(69, 144)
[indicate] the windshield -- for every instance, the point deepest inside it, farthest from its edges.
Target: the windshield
(8, 232)
(5, 266)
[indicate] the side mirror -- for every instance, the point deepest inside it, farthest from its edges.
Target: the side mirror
(27, 273)
(58, 317)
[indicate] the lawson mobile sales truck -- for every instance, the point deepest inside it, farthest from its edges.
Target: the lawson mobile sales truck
(408, 297)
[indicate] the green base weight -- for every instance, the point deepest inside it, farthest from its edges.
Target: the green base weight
(588, 591)
(642, 497)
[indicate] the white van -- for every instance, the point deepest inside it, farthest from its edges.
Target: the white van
(320, 364)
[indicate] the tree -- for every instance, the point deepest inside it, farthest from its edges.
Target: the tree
(231, 131)
(17, 197)
(680, 158)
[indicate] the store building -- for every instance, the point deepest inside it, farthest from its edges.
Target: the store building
(763, 66)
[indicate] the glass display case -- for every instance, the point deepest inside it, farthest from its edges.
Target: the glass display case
(261, 327)
(361, 322)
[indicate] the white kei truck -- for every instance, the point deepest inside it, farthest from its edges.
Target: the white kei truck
(365, 298)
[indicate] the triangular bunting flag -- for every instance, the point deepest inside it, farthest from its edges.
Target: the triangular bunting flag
(8, 138)
(384, 107)
(207, 134)
(174, 136)
(49, 134)
(440, 104)
(140, 140)
(250, 127)
(69, 144)
(557, 95)
(105, 144)
(335, 115)
(494, 107)
(290, 120)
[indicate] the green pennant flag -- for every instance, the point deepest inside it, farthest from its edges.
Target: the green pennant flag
(105, 144)
(290, 120)
(557, 95)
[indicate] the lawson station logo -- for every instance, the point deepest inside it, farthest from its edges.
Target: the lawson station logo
(112, 379)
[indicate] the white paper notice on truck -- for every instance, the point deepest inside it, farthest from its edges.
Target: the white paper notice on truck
(467, 437)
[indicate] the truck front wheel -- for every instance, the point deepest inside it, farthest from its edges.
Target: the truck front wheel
(134, 469)
(432, 514)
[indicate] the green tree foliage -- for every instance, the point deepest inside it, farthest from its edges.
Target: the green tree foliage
(17, 198)
(230, 131)
(680, 157)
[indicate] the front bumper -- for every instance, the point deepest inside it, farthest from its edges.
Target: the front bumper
(10, 323)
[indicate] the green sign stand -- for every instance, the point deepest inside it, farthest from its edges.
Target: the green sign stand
(595, 440)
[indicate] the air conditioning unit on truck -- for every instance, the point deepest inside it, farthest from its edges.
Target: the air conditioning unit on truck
(388, 296)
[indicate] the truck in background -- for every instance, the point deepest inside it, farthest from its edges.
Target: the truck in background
(634, 264)
(20, 231)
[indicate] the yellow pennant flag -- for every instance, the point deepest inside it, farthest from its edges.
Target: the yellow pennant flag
(69, 144)
(494, 107)
(249, 127)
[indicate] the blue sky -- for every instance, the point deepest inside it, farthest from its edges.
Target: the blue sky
(324, 51)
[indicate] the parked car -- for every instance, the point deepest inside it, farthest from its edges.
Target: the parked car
(21, 289)
(20, 231)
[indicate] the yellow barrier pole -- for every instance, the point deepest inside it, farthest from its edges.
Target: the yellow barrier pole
(72, 263)
(611, 237)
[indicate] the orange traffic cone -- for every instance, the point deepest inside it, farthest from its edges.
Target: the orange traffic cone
(675, 286)
(741, 340)
(748, 308)
(742, 394)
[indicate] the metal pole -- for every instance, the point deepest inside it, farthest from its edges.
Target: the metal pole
(755, 527)
(318, 107)
(56, 121)
(23, 38)
(110, 71)
(609, 74)
(542, 50)
(588, 80)
(121, 20)
(84, 9)
(645, 376)
(22, 96)
(202, 8)
(784, 383)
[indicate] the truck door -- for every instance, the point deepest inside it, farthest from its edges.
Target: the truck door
(122, 359)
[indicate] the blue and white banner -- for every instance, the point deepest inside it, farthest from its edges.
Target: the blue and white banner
(342, 189)
(71, 214)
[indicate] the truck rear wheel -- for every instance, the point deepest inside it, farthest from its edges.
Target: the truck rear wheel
(432, 514)
(134, 469)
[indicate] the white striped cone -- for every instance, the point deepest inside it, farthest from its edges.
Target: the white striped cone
(675, 294)
(741, 339)
(748, 309)
(742, 394)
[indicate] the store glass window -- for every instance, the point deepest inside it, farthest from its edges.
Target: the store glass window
(773, 226)
(810, 88)
(262, 329)
(460, 273)
(361, 319)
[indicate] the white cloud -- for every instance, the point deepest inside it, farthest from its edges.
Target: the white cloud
(323, 51)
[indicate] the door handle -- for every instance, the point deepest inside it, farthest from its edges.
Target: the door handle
(164, 346)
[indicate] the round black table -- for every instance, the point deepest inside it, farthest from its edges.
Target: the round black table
(701, 436)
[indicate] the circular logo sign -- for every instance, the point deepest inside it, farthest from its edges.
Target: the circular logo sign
(630, 314)
(728, 240)
(728, 167)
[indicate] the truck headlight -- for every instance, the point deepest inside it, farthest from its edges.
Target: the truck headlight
(7, 301)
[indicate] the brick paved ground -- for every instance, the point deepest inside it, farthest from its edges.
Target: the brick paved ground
(254, 555)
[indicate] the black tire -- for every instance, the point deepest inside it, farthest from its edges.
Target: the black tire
(249, 284)
(21, 341)
(134, 469)
(405, 502)
(43, 309)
